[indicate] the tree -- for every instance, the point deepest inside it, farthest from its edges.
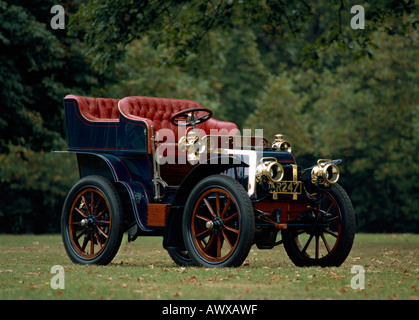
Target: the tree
(38, 67)
(185, 25)
(227, 77)
(365, 112)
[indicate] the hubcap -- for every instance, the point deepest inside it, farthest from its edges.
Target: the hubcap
(89, 223)
(216, 225)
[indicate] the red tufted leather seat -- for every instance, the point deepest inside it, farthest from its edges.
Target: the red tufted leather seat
(97, 109)
(158, 111)
(113, 124)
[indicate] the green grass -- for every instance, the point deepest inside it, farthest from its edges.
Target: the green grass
(143, 270)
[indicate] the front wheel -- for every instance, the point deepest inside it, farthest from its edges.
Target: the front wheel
(92, 221)
(218, 223)
(180, 257)
(328, 239)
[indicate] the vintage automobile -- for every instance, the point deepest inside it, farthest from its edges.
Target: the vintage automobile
(165, 167)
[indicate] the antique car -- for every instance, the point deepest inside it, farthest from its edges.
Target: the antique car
(166, 167)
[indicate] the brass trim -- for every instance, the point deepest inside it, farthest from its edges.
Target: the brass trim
(294, 178)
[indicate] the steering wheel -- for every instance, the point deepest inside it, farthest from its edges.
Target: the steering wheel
(187, 117)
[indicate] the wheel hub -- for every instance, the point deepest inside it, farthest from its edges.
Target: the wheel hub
(315, 222)
(216, 224)
(89, 222)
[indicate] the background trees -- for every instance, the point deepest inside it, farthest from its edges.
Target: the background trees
(294, 67)
(365, 112)
(38, 67)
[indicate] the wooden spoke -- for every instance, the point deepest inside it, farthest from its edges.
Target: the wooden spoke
(226, 206)
(217, 203)
(325, 243)
(231, 229)
(317, 247)
(335, 234)
(307, 244)
(233, 216)
(210, 208)
(80, 212)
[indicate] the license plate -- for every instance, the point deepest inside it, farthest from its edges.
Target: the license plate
(288, 187)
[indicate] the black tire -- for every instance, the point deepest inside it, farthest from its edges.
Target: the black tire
(333, 243)
(92, 221)
(218, 223)
(180, 257)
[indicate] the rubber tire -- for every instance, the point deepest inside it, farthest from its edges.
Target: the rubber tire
(247, 221)
(181, 258)
(346, 239)
(116, 216)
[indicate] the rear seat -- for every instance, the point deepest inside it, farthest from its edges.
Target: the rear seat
(97, 109)
(114, 124)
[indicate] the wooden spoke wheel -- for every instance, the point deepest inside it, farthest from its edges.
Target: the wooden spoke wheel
(92, 221)
(328, 238)
(218, 223)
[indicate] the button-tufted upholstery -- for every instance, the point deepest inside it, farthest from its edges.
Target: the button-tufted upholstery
(97, 109)
(158, 111)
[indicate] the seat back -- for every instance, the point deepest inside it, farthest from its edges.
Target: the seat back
(97, 109)
(160, 110)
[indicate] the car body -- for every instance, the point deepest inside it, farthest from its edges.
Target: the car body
(166, 167)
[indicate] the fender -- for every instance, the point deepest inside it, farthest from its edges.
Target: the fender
(113, 169)
(213, 165)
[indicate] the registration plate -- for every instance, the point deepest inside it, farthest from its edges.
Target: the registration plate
(288, 187)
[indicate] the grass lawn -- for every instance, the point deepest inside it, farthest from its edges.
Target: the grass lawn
(143, 270)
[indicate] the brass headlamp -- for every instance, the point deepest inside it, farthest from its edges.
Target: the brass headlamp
(271, 169)
(326, 172)
(280, 144)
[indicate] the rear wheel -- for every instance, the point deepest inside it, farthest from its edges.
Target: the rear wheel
(329, 239)
(218, 223)
(92, 221)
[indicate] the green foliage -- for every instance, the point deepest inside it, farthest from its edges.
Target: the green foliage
(33, 186)
(185, 26)
(38, 67)
(229, 74)
(142, 74)
(364, 112)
